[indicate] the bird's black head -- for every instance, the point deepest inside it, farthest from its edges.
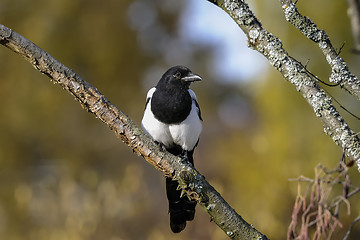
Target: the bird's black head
(178, 76)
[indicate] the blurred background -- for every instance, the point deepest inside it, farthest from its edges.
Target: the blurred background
(64, 174)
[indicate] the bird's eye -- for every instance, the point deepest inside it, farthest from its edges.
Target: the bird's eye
(177, 75)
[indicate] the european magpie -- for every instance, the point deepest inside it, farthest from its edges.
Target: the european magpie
(172, 118)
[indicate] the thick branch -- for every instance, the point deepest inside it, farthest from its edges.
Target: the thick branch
(304, 82)
(340, 73)
(93, 101)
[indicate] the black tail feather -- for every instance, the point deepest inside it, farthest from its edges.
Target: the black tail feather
(181, 209)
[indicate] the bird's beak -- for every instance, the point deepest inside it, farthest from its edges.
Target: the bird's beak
(191, 77)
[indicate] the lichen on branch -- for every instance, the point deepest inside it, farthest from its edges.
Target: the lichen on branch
(340, 73)
(294, 72)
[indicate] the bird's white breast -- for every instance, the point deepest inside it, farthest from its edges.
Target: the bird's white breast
(184, 134)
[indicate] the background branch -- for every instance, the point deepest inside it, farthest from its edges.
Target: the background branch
(354, 15)
(94, 102)
(318, 203)
(351, 226)
(293, 71)
(340, 73)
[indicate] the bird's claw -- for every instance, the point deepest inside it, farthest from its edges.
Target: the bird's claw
(161, 146)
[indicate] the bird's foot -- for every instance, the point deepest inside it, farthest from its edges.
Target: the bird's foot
(184, 157)
(161, 146)
(184, 160)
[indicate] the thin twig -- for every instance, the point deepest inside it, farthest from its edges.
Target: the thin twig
(271, 47)
(340, 71)
(322, 210)
(350, 228)
(340, 49)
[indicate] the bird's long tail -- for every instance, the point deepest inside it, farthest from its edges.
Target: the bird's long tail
(181, 209)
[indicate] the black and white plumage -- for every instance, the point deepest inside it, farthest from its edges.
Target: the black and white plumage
(172, 117)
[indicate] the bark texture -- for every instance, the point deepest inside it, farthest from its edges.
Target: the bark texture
(340, 73)
(293, 71)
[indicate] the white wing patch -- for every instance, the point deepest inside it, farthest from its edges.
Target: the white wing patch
(194, 100)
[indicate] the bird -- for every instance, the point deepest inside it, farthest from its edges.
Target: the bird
(173, 119)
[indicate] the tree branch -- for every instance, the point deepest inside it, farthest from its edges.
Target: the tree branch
(350, 228)
(193, 183)
(294, 72)
(340, 73)
(354, 15)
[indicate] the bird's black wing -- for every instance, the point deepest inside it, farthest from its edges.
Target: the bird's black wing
(147, 102)
(149, 96)
(193, 98)
(198, 109)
